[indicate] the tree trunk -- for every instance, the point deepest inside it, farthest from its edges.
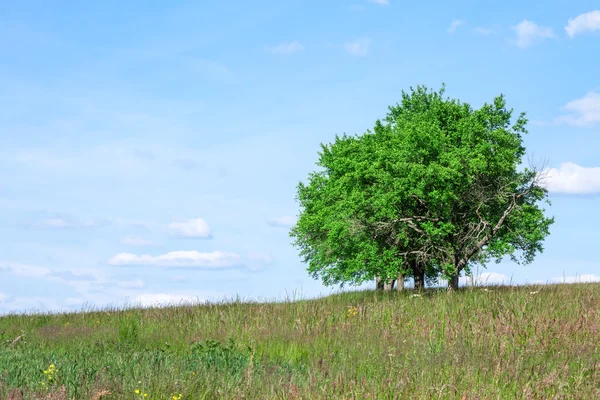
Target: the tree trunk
(419, 279)
(400, 282)
(453, 283)
(387, 287)
(380, 284)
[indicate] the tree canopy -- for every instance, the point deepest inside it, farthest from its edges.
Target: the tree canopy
(433, 189)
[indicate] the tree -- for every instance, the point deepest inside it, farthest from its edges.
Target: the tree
(431, 191)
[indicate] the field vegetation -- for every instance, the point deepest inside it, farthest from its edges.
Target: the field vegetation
(531, 342)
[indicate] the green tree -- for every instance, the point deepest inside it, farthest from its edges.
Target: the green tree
(434, 189)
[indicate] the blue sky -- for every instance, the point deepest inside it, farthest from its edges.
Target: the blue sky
(151, 151)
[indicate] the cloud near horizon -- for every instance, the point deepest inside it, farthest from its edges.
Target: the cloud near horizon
(585, 278)
(163, 299)
(174, 299)
(214, 259)
(485, 278)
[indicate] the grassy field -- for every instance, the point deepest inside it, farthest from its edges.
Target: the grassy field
(531, 342)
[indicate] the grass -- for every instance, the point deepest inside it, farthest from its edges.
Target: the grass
(531, 342)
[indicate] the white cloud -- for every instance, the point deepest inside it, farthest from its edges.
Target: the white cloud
(215, 259)
(136, 241)
(485, 278)
(587, 22)
(282, 222)
(584, 111)
(163, 299)
(381, 2)
(585, 278)
(194, 228)
(3, 297)
(455, 24)
(529, 32)
(286, 48)
(573, 178)
(359, 47)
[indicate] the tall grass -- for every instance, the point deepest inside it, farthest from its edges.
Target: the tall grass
(480, 343)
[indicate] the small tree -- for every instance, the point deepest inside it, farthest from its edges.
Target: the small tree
(431, 191)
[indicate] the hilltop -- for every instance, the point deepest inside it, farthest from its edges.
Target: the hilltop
(492, 342)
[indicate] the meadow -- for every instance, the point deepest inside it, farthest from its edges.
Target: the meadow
(529, 342)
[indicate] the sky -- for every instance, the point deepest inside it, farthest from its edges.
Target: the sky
(150, 151)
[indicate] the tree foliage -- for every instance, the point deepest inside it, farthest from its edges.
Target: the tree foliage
(433, 189)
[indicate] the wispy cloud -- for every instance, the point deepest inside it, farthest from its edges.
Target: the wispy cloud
(585, 278)
(65, 221)
(194, 259)
(480, 30)
(282, 222)
(454, 25)
(194, 228)
(145, 154)
(286, 48)
(215, 259)
(381, 2)
(583, 112)
(588, 22)
(28, 304)
(186, 164)
(573, 179)
(72, 276)
(134, 284)
(529, 32)
(136, 241)
(359, 47)
(25, 270)
(258, 261)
